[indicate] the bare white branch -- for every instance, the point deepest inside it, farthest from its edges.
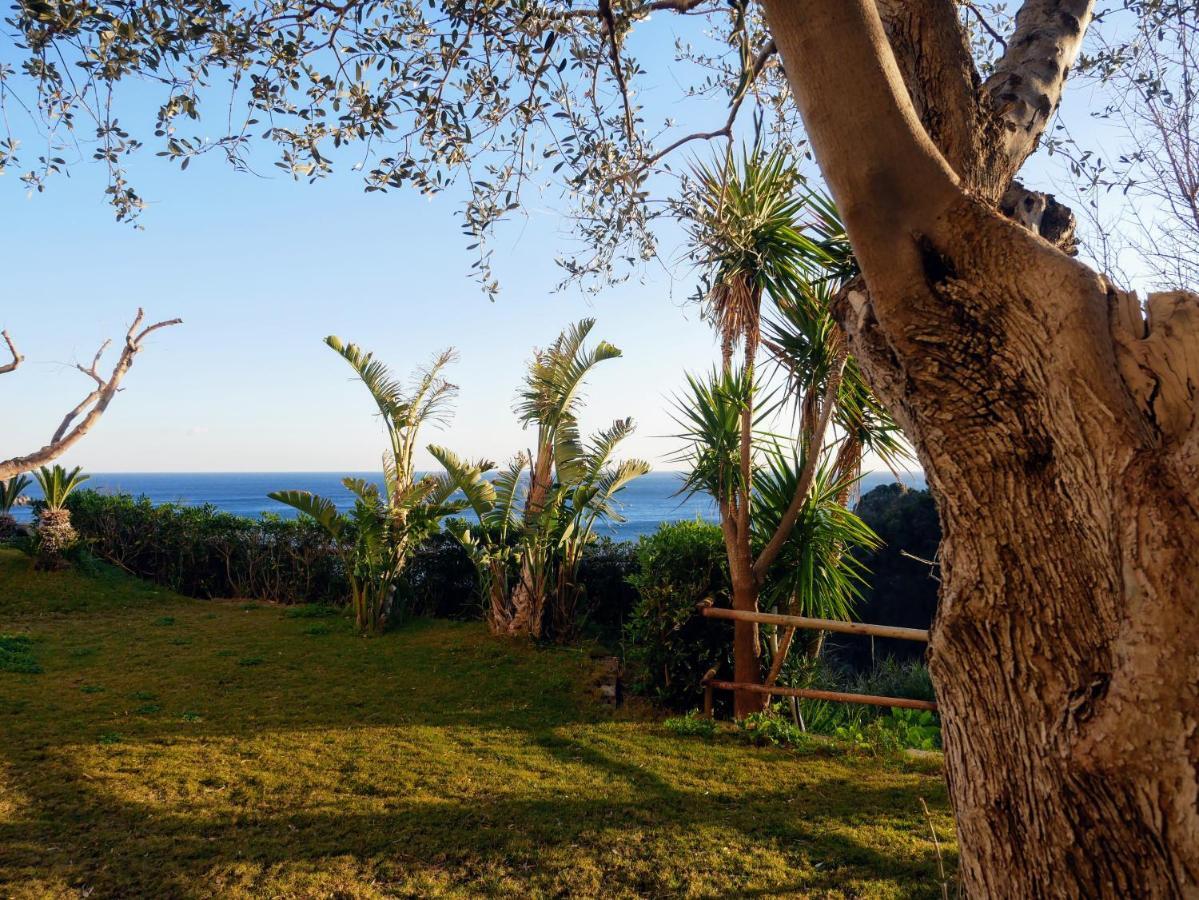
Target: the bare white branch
(91, 407)
(17, 358)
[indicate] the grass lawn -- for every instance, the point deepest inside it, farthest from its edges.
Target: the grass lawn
(156, 746)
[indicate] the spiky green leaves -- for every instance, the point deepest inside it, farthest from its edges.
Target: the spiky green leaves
(709, 411)
(817, 572)
(57, 483)
(746, 234)
(11, 490)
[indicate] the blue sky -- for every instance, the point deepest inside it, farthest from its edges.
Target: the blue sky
(261, 269)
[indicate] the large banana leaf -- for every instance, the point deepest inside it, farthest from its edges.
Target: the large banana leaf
(467, 477)
(320, 509)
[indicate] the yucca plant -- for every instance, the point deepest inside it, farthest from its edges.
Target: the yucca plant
(805, 342)
(55, 534)
(11, 493)
(538, 515)
(759, 234)
(377, 537)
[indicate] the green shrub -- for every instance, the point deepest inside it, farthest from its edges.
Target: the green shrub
(669, 647)
(693, 723)
(870, 739)
(440, 580)
(916, 729)
(608, 595)
(769, 727)
(890, 678)
(202, 552)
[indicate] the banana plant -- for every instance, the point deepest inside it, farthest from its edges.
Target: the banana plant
(374, 543)
(491, 541)
(376, 538)
(537, 516)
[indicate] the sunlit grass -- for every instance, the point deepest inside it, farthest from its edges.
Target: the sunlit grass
(155, 760)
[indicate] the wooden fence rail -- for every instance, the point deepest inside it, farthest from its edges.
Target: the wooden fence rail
(791, 623)
(809, 694)
(887, 631)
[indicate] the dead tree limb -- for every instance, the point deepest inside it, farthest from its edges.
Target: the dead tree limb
(92, 407)
(17, 358)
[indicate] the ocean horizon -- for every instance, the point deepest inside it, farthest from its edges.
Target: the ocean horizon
(645, 504)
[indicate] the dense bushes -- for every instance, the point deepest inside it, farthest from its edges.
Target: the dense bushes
(608, 597)
(668, 647)
(202, 552)
(441, 580)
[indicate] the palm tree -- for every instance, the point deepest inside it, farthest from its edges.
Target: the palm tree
(10, 494)
(747, 229)
(527, 549)
(378, 536)
(55, 534)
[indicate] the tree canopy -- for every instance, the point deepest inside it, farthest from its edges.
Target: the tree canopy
(506, 100)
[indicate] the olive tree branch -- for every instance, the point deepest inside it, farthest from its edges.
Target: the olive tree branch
(748, 80)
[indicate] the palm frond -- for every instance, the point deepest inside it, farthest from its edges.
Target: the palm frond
(611, 482)
(709, 413)
(386, 391)
(555, 378)
(320, 509)
(467, 477)
(604, 443)
(744, 228)
(817, 573)
(507, 484)
(364, 490)
(431, 395)
(11, 490)
(57, 483)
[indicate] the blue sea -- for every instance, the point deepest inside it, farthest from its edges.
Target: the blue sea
(647, 502)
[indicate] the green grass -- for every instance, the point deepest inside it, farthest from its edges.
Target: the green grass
(433, 761)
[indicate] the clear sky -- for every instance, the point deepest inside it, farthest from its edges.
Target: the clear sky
(261, 269)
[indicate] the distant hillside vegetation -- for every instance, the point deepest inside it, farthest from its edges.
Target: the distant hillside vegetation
(900, 591)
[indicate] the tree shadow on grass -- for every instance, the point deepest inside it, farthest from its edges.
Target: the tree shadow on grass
(76, 833)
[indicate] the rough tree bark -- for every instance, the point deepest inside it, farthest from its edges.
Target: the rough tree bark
(1056, 423)
(92, 407)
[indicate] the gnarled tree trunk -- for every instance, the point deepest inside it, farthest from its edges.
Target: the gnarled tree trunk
(1056, 425)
